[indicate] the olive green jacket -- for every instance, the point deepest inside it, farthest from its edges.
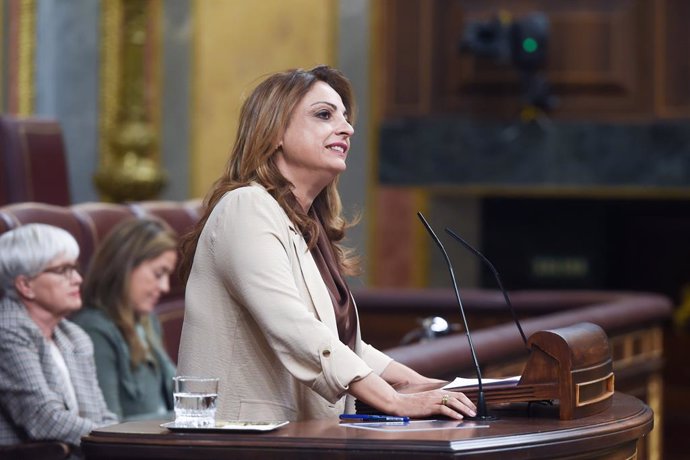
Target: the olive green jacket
(142, 392)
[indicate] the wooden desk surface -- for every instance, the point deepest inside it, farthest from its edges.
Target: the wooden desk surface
(515, 434)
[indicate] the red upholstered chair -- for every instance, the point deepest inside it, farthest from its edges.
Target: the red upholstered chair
(14, 215)
(101, 218)
(181, 216)
(33, 164)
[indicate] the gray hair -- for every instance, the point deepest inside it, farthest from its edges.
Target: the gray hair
(28, 249)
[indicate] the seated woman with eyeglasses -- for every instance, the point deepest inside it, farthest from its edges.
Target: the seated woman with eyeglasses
(48, 384)
(128, 273)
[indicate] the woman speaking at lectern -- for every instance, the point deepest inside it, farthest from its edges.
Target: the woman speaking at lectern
(268, 310)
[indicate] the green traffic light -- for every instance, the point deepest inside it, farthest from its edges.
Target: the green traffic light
(529, 45)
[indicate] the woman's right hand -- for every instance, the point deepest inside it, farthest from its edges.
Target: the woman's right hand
(451, 404)
(377, 393)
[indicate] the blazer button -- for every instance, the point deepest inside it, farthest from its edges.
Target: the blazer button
(326, 353)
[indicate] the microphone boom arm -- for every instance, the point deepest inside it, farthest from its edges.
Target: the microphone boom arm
(482, 412)
(488, 263)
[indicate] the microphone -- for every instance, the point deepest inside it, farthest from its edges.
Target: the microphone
(481, 256)
(482, 412)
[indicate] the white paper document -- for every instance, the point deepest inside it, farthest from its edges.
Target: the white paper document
(461, 382)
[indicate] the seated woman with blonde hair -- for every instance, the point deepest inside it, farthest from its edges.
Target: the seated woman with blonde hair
(48, 386)
(129, 272)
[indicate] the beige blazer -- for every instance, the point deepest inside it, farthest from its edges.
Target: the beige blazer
(259, 316)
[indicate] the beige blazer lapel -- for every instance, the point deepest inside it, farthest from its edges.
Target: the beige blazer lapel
(315, 285)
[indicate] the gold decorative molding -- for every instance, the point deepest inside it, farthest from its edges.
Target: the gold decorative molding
(129, 139)
(153, 70)
(637, 347)
(681, 315)
(25, 54)
(655, 400)
(111, 14)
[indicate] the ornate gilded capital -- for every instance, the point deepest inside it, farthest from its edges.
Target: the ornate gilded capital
(129, 169)
(20, 62)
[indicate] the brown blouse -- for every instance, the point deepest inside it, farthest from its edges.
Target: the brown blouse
(343, 306)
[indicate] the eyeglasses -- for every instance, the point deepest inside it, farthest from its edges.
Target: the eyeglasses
(65, 270)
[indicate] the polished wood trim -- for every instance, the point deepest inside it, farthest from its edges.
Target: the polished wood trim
(582, 401)
(516, 435)
(565, 191)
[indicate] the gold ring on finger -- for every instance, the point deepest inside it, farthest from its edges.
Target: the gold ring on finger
(444, 400)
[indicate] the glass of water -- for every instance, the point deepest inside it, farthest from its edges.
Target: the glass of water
(195, 401)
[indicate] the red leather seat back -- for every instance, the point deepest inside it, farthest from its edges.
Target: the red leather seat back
(59, 216)
(102, 217)
(33, 165)
(180, 216)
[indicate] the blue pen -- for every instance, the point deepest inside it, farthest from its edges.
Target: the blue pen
(372, 418)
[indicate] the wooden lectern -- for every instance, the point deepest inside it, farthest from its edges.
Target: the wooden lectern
(571, 364)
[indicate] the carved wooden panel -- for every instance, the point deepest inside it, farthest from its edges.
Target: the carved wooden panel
(673, 67)
(405, 50)
(607, 59)
(598, 60)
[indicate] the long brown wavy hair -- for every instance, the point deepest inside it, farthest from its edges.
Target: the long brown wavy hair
(263, 119)
(107, 283)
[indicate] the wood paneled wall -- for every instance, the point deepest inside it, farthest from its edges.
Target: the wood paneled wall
(607, 59)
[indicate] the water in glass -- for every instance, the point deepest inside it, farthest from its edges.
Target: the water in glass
(195, 401)
(195, 409)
